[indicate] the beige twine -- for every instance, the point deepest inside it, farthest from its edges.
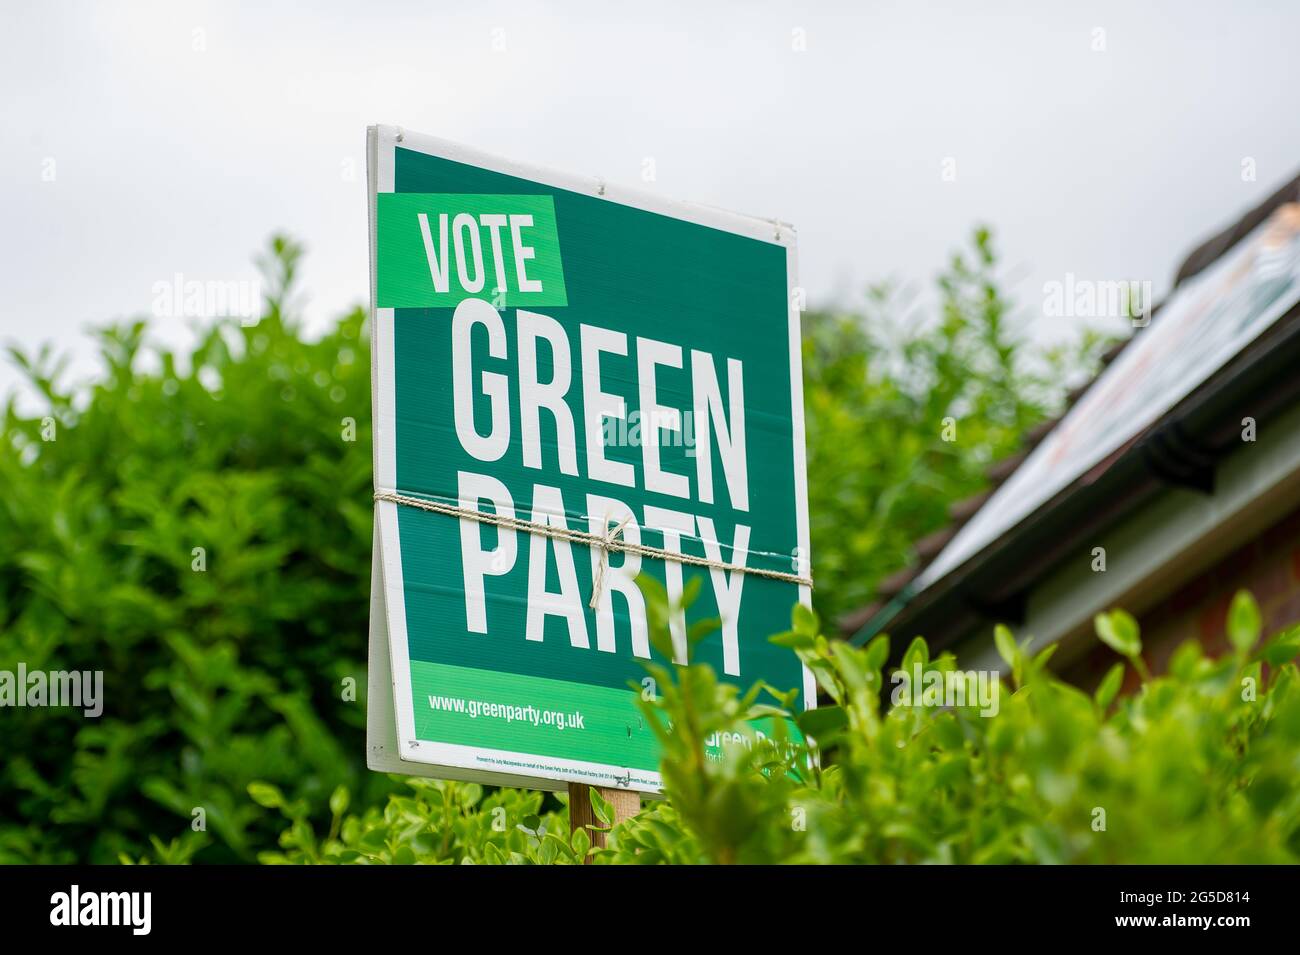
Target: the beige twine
(598, 578)
(611, 540)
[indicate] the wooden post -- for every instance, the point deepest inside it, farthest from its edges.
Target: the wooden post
(626, 804)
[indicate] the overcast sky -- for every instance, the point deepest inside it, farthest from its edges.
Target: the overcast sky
(141, 140)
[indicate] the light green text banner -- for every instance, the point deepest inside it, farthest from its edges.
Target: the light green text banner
(437, 249)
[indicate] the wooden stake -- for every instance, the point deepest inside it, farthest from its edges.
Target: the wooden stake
(626, 804)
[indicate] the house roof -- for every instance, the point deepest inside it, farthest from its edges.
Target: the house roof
(894, 593)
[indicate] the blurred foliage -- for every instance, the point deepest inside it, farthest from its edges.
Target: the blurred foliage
(1199, 766)
(879, 387)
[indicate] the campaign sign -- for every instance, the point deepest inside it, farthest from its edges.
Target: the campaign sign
(556, 362)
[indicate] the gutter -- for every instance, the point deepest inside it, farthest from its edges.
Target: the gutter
(1182, 449)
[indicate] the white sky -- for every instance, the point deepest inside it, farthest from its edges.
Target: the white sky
(168, 159)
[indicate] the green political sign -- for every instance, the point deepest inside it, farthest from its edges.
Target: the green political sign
(573, 384)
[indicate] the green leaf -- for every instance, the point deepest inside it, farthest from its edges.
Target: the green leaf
(603, 809)
(1044, 656)
(1283, 649)
(805, 620)
(1119, 631)
(264, 794)
(1006, 645)
(339, 801)
(917, 652)
(822, 722)
(1244, 623)
(581, 843)
(1186, 660)
(1109, 687)
(793, 639)
(849, 662)
(877, 652)
(701, 629)
(546, 852)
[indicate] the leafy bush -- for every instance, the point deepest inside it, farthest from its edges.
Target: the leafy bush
(1201, 765)
(223, 665)
(437, 822)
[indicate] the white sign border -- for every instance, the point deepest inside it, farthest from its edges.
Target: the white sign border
(397, 750)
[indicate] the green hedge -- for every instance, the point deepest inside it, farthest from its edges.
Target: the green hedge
(213, 677)
(1199, 766)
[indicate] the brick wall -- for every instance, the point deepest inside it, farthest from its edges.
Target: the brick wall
(1268, 566)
